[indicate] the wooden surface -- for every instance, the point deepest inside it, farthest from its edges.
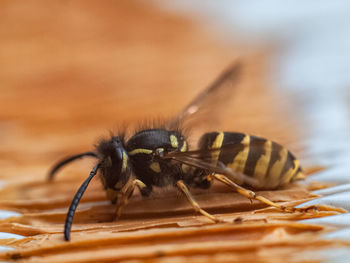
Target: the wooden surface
(72, 71)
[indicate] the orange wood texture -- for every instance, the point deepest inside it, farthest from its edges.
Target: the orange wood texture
(71, 71)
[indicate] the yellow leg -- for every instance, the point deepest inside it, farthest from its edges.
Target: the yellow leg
(180, 184)
(252, 195)
(127, 195)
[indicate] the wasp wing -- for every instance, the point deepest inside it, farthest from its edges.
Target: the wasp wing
(203, 159)
(209, 103)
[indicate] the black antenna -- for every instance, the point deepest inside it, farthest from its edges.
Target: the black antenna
(75, 202)
(67, 160)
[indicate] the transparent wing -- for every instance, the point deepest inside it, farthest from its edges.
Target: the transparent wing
(208, 105)
(202, 159)
(262, 153)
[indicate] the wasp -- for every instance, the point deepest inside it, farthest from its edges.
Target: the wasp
(160, 157)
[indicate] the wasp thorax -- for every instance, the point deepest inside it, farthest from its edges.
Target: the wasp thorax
(146, 149)
(158, 141)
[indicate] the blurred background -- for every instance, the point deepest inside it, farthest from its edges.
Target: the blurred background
(71, 71)
(309, 59)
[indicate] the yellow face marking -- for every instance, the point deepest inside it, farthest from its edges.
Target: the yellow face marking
(290, 173)
(125, 162)
(184, 147)
(275, 173)
(140, 150)
(263, 163)
(174, 142)
(112, 195)
(216, 145)
(238, 164)
(155, 167)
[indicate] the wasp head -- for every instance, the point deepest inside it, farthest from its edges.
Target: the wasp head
(115, 167)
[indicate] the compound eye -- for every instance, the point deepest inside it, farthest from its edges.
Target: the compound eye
(108, 162)
(118, 151)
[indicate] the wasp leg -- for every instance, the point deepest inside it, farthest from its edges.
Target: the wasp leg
(252, 195)
(180, 184)
(127, 195)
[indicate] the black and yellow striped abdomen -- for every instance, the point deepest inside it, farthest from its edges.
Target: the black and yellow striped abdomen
(267, 161)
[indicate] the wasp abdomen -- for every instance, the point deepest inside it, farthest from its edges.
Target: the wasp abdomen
(267, 161)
